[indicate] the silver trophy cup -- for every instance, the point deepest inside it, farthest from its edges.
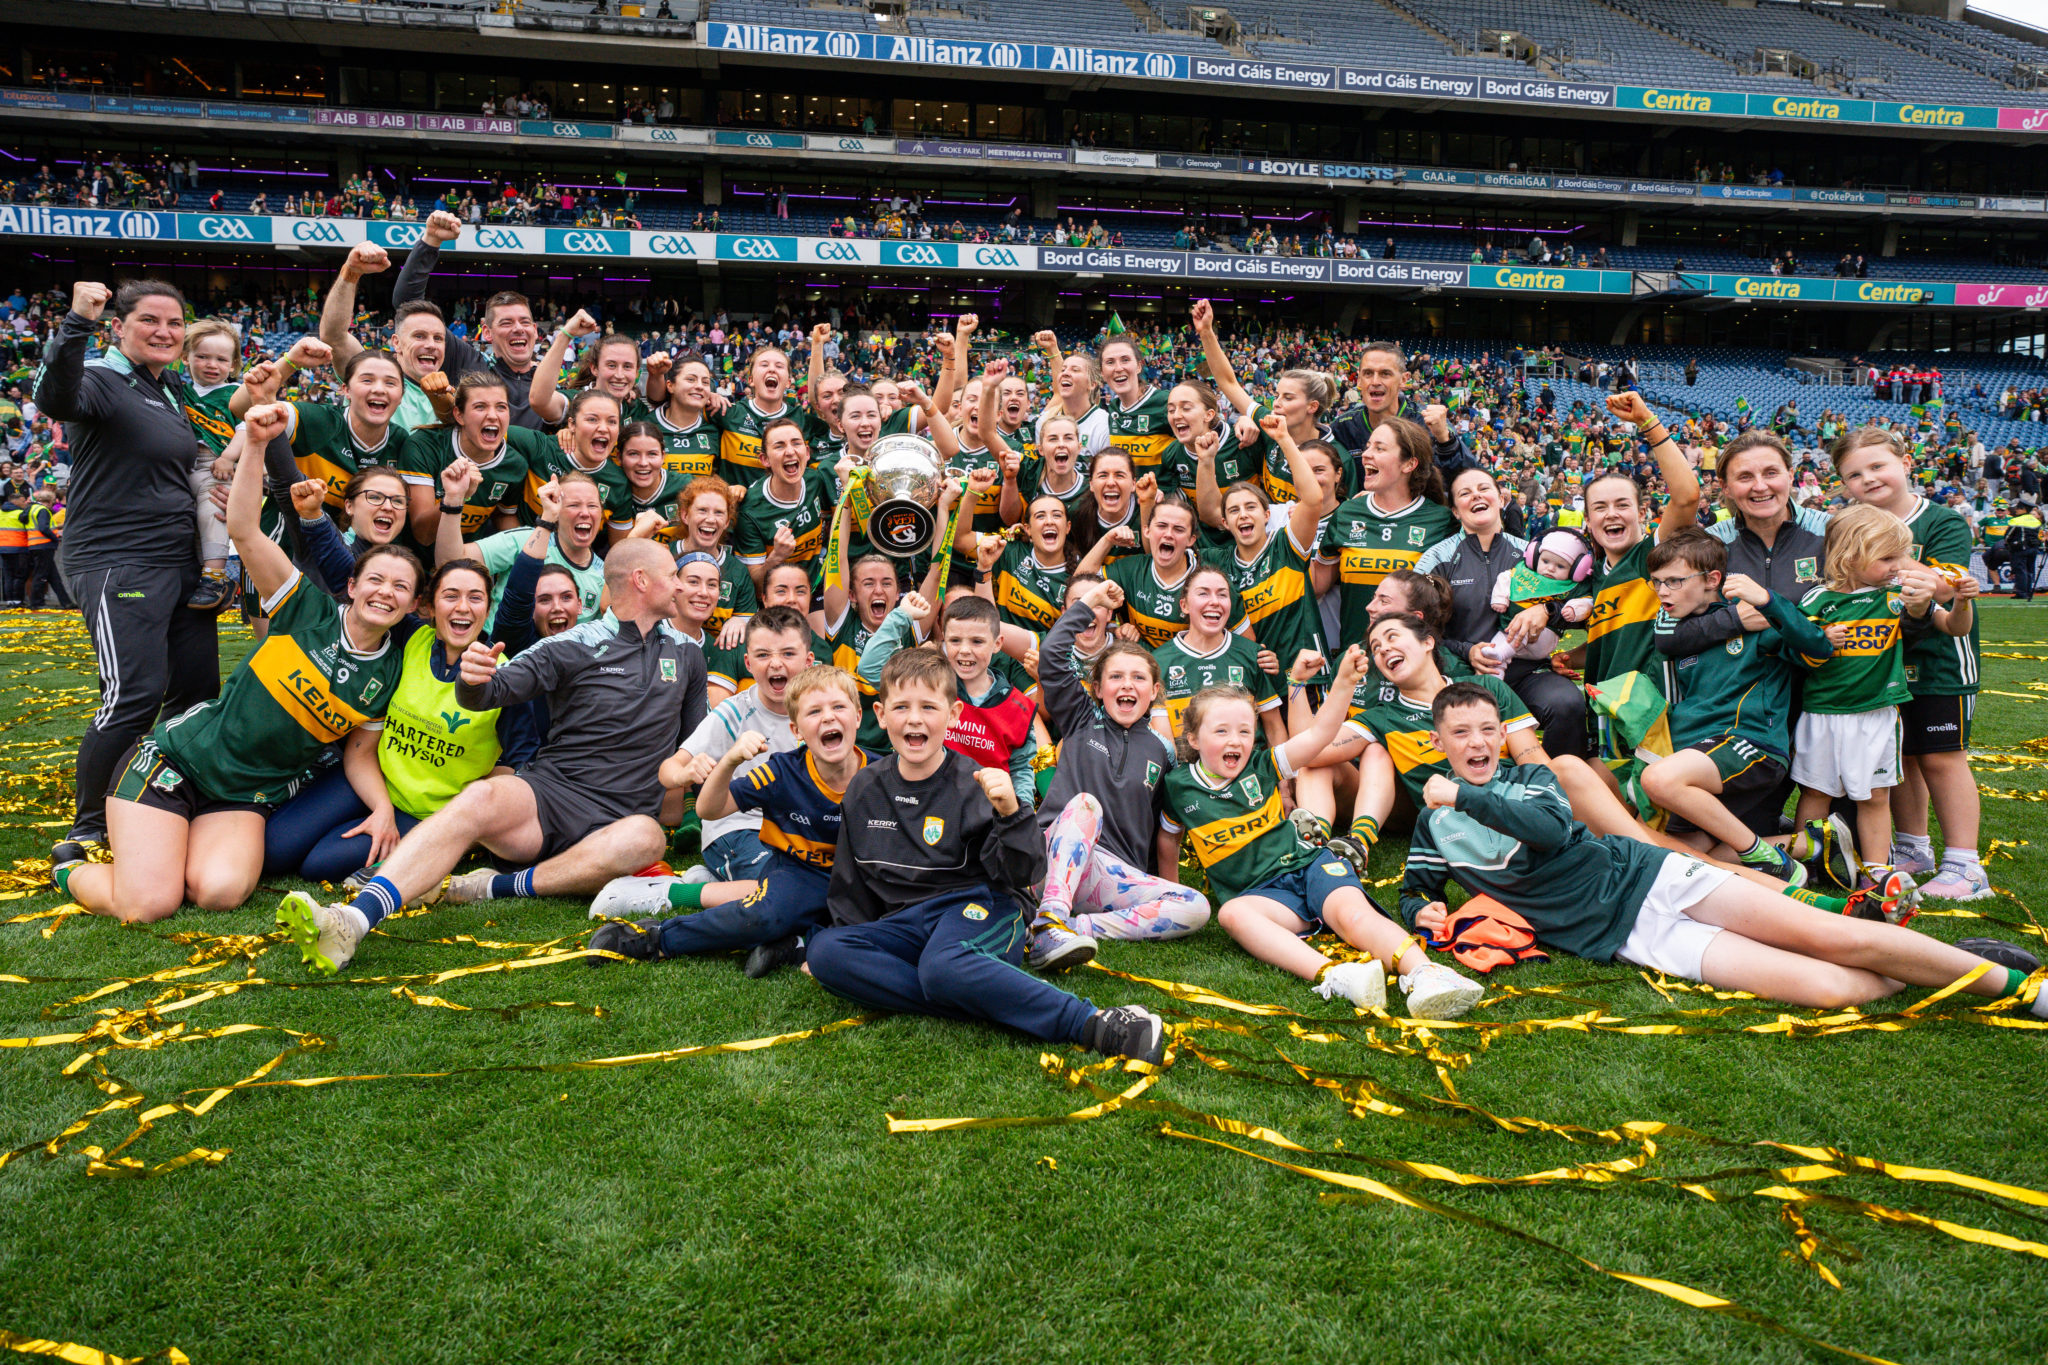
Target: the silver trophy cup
(904, 483)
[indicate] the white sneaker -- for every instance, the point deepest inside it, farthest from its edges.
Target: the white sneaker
(470, 886)
(1364, 984)
(629, 897)
(1434, 991)
(1055, 948)
(326, 935)
(699, 875)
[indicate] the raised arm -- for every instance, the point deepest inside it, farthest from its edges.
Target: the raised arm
(262, 381)
(60, 382)
(820, 334)
(1309, 498)
(1219, 361)
(268, 566)
(1684, 506)
(1302, 750)
(545, 394)
(338, 313)
(441, 226)
(1049, 343)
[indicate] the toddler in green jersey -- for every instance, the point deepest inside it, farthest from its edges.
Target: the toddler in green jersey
(210, 353)
(1273, 886)
(1847, 741)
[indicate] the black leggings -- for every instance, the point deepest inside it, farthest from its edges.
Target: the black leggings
(156, 655)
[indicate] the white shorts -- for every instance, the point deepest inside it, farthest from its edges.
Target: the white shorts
(1665, 938)
(1853, 756)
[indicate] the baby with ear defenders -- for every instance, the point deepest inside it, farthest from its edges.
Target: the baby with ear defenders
(1550, 569)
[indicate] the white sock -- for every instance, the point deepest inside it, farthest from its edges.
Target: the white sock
(1919, 845)
(1964, 858)
(357, 918)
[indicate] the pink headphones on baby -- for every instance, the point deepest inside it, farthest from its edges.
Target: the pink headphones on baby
(1565, 544)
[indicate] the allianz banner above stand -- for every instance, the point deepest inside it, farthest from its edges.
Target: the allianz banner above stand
(1274, 74)
(971, 258)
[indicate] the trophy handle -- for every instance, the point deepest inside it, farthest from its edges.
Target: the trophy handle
(901, 527)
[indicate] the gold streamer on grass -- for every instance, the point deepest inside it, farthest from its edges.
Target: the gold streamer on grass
(1362, 1188)
(83, 1355)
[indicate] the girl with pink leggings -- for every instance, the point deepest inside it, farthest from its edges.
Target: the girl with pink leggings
(1099, 894)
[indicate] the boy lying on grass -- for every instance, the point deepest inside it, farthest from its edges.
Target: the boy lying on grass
(1509, 833)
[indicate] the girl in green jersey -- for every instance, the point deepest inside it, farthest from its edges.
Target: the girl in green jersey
(196, 791)
(647, 507)
(1275, 888)
(611, 366)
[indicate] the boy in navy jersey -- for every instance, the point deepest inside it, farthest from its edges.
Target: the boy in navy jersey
(934, 855)
(798, 794)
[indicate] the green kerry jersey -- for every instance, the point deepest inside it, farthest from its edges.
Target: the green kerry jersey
(1367, 542)
(736, 595)
(207, 410)
(1867, 671)
(1141, 430)
(849, 638)
(1742, 687)
(740, 428)
(550, 461)
(1620, 632)
(1239, 832)
(1186, 671)
(1940, 664)
(1380, 713)
(621, 511)
(304, 688)
(326, 447)
(808, 516)
(1234, 464)
(430, 450)
(1152, 603)
(691, 450)
(1274, 592)
(1028, 592)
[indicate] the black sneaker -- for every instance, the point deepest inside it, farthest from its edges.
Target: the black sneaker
(638, 940)
(773, 957)
(1997, 950)
(71, 853)
(1126, 1031)
(214, 592)
(1355, 852)
(1830, 860)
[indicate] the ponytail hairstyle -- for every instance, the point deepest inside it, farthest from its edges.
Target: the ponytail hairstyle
(586, 368)
(1317, 388)
(1418, 445)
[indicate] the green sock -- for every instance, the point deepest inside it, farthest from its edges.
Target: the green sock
(2014, 979)
(1837, 904)
(686, 895)
(62, 877)
(1759, 853)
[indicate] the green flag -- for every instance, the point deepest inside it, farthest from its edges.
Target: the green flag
(1116, 324)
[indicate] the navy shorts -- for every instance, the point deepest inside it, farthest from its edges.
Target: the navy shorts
(1306, 890)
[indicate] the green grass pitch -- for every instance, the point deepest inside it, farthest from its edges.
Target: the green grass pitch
(754, 1207)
